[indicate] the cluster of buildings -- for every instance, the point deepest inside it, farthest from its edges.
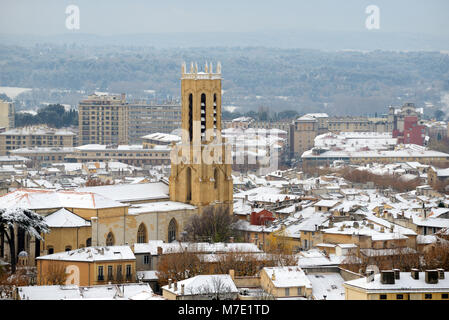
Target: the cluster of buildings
(114, 207)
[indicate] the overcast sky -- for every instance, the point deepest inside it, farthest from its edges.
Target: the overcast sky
(112, 17)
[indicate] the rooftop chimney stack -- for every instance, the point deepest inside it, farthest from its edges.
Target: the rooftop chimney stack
(432, 276)
(415, 274)
(175, 286)
(387, 277)
(397, 274)
(182, 289)
(169, 283)
(440, 274)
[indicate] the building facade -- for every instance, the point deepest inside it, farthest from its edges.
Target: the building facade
(33, 137)
(193, 179)
(103, 119)
(7, 112)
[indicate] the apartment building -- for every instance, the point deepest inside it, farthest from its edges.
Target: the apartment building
(6, 114)
(144, 119)
(31, 137)
(103, 119)
(396, 285)
(135, 155)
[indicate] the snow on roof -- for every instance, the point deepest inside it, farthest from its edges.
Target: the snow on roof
(201, 247)
(162, 137)
(38, 130)
(286, 277)
(63, 218)
(90, 254)
(49, 293)
(159, 206)
(131, 192)
(44, 199)
(431, 222)
(132, 291)
(405, 282)
(205, 284)
(327, 284)
(326, 203)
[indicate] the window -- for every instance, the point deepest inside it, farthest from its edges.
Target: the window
(68, 248)
(299, 291)
(142, 234)
(51, 250)
(172, 230)
(110, 239)
(128, 272)
(399, 297)
(110, 273)
(88, 242)
(287, 292)
(444, 296)
(119, 272)
(146, 259)
(100, 273)
(428, 296)
(383, 297)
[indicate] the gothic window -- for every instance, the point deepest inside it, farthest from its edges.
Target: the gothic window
(88, 242)
(110, 239)
(172, 230)
(142, 234)
(216, 177)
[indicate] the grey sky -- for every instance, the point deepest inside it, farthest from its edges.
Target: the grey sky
(112, 17)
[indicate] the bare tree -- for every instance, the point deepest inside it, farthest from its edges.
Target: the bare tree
(214, 224)
(55, 274)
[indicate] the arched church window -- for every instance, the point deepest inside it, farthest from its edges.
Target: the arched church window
(172, 230)
(142, 234)
(110, 239)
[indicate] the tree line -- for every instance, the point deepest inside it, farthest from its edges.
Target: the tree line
(53, 115)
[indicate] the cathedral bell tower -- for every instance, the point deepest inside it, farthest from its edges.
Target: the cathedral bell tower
(201, 163)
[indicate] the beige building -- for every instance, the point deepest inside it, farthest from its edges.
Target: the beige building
(7, 113)
(31, 137)
(192, 179)
(103, 119)
(135, 155)
(396, 285)
(47, 155)
(285, 282)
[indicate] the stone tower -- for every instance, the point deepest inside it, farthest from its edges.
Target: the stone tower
(201, 163)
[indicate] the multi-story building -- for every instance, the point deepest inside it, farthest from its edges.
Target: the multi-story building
(396, 285)
(6, 114)
(45, 155)
(29, 137)
(136, 155)
(103, 119)
(304, 131)
(307, 127)
(144, 119)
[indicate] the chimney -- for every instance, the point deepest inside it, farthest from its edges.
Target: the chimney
(232, 274)
(169, 283)
(182, 289)
(440, 274)
(431, 276)
(371, 226)
(231, 239)
(397, 274)
(175, 286)
(415, 274)
(159, 251)
(369, 275)
(382, 229)
(387, 277)
(273, 276)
